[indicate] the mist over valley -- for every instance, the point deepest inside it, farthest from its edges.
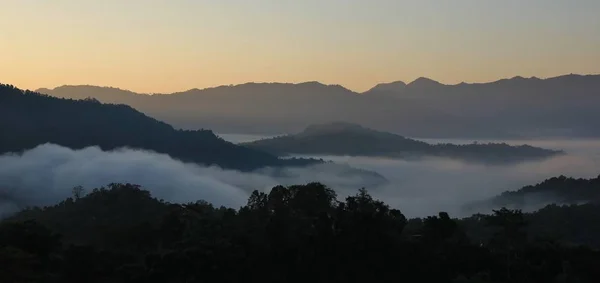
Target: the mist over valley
(300, 141)
(51, 153)
(417, 185)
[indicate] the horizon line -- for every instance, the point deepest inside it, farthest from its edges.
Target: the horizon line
(318, 82)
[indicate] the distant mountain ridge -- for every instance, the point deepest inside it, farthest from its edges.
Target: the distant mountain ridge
(508, 108)
(351, 139)
(380, 86)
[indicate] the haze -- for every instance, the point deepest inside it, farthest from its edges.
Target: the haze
(167, 46)
(46, 174)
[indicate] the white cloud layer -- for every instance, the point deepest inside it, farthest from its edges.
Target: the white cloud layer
(46, 174)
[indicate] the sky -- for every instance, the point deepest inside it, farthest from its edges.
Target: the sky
(161, 46)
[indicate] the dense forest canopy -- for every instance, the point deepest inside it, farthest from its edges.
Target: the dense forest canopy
(28, 119)
(290, 234)
(351, 139)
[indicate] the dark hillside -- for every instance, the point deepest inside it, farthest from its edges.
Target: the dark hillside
(28, 119)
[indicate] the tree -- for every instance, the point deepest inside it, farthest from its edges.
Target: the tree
(257, 200)
(511, 235)
(77, 192)
(511, 224)
(439, 228)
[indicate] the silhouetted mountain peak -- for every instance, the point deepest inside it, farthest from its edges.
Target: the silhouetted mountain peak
(43, 90)
(423, 82)
(393, 86)
(334, 127)
(312, 83)
(519, 80)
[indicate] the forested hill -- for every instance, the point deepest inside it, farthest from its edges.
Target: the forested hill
(351, 139)
(28, 119)
(291, 234)
(560, 190)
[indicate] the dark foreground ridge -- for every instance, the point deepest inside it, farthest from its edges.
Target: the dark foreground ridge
(28, 119)
(355, 140)
(291, 234)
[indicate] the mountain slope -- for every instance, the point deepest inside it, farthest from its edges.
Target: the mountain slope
(28, 119)
(355, 140)
(558, 190)
(515, 107)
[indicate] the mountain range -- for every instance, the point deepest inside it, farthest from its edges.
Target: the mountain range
(563, 106)
(345, 139)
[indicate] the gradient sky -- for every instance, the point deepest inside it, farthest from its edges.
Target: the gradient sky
(175, 45)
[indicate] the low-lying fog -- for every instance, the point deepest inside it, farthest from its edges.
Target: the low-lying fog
(46, 174)
(430, 185)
